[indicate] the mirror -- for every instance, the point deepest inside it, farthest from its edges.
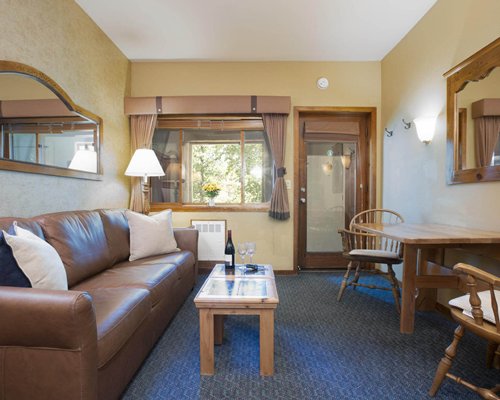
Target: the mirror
(473, 117)
(42, 130)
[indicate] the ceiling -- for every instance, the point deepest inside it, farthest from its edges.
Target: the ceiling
(257, 30)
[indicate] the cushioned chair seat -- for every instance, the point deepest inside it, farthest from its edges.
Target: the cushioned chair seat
(374, 256)
(119, 312)
(463, 303)
(156, 274)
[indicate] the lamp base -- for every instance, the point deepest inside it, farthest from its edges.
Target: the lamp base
(145, 198)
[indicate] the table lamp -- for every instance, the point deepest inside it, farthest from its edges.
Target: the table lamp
(85, 159)
(144, 163)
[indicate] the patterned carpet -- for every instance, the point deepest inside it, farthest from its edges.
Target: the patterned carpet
(324, 350)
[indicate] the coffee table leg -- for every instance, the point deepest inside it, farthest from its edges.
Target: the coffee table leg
(218, 328)
(267, 342)
(206, 342)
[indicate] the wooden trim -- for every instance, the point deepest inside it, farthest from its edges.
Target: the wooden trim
(264, 207)
(207, 105)
(372, 164)
(212, 124)
(47, 170)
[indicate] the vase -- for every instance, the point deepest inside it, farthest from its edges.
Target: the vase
(211, 201)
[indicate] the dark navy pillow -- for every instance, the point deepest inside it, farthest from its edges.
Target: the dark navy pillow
(10, 273)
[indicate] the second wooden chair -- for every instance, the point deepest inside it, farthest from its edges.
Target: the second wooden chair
(361, 248)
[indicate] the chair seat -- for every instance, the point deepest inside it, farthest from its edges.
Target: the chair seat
(463, 303)
(377, 256)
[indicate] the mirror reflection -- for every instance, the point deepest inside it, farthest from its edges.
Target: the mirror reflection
(37, 127)
(479, 122)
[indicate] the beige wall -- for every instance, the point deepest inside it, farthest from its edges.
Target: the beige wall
(351, 84)
(57, 38)
(414, 178)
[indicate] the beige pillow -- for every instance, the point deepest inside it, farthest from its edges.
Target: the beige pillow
(39, 261)
(150, 235)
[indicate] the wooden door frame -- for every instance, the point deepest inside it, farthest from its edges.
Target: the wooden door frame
(371, 112)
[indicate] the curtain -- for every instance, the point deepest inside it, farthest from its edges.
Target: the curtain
(275, 127)
(142, 128)
(486, 129)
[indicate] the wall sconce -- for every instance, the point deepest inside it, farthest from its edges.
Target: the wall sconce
(425, 128)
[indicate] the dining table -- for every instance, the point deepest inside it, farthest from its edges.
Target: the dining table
(418, 240)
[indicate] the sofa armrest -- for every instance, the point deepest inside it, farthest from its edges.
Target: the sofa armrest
(187, 239)
(48, 344)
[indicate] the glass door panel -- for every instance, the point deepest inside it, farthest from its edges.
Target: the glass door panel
(330, 193)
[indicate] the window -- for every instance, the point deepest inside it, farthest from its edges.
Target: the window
(235, 154)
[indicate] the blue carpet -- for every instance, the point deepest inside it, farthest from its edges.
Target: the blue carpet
(323, 350)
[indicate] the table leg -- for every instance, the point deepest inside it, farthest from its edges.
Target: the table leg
(426, 298)
(267, 342)
(408, 290)
(218, 328)
(206, 342)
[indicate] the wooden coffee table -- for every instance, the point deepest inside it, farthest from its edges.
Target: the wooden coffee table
(239, 293)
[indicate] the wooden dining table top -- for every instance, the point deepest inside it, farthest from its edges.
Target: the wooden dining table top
(431, 233)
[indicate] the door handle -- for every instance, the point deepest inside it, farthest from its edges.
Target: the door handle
(302, 200)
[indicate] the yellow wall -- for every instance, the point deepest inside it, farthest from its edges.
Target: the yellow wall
(59, 39)
(351, 84)
(414, 175)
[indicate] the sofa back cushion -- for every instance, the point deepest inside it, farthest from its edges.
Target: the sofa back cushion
(79, 238)
(117, 233)
(25, 223)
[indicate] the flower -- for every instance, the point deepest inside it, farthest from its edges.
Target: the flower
(211, 189)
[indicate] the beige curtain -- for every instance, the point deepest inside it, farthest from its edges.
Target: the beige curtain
(275, 127)
(486, 131)
(142, 128)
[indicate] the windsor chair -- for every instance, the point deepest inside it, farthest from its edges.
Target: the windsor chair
(476, 312)
(361, 248)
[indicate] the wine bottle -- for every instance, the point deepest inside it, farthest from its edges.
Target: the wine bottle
(229, 252)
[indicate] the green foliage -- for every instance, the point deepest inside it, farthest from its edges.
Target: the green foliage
(221, 163)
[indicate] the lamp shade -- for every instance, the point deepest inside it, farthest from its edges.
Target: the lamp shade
(144, 163)
(84, 160)
(425, 128)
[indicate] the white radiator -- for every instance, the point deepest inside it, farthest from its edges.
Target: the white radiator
(212, 239)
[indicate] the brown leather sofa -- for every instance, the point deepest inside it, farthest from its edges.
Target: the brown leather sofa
(87, 342)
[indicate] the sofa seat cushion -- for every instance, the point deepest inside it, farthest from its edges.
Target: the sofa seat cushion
(119, 312)
(156, 274)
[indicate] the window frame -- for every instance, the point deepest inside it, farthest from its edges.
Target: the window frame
(232, 123)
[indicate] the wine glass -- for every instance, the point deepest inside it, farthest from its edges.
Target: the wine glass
(251, 247)
(242, 251)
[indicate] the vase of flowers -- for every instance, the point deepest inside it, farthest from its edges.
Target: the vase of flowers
(211, 190)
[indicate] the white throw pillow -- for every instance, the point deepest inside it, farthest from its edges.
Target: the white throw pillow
(150, 235)
(38, 260)
(485, 296)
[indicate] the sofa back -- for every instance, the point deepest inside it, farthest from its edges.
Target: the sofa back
(80, 240)
(88, 242)
(117, 233)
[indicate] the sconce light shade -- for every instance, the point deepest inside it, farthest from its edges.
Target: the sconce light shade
(425, 128)
(144, 163)
(346, 160)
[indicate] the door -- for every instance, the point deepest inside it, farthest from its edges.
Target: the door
(333, 183)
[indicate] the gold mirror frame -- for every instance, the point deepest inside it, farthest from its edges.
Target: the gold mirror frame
(475, 68)
(12, 165)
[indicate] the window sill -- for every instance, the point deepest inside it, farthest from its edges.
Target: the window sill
(264, 207)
